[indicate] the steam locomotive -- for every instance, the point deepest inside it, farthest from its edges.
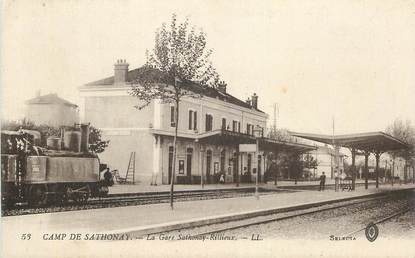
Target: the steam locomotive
(63, 171)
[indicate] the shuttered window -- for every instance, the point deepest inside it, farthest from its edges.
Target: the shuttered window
(209, 122)
(190, 119)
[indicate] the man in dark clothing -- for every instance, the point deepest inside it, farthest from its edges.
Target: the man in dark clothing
(322, 181)
(108, 177)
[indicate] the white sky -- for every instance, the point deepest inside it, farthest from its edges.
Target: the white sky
(354, 60)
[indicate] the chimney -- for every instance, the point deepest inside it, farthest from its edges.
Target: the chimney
(120, 71)
(255, 101)
(84, 138)
(248, 101)
(222, 86)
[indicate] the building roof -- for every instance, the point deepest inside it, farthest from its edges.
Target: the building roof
(156, 75)
(50, 99)
(371, 141)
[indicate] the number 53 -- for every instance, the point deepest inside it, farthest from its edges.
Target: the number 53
(26, 236)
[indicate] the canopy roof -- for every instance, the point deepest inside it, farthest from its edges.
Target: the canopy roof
(372, 141)
(226, 137)
(230, 138)
(271, 144)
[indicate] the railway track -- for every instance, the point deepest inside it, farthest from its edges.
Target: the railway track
(316, 187)
(129, 199)
(386, 218)
(217, 228)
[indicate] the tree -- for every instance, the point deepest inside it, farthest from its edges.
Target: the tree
(179, 66)
(405, 132)
(281, 135)
(309, 163)
(96, 144)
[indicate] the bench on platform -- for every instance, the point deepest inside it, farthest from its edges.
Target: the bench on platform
(118, 178)
(346, 184)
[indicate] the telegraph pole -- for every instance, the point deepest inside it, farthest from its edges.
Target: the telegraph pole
(276, 114)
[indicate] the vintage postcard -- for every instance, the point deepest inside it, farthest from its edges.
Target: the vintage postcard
(206, 128)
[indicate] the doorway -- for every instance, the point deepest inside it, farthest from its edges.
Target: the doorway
(189, 155)
(170, 163)
(235, 166)
(208, 165)
(259, 168)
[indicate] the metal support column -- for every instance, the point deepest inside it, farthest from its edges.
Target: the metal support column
(277, 167)
(238, 177)
(377, 156)
(353, 168)
(366, 169)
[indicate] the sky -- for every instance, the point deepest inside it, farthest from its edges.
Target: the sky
(351, 60)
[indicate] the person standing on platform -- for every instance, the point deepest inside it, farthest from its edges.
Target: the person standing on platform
(222, 178)
(322, 181)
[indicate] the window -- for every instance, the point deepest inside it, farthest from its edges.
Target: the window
(259, 128)
(234, 126)
(223, 123)
(249, 129)
(239, 127)
(190, 119)
(194, 120)
(172, 123)
(209, 122)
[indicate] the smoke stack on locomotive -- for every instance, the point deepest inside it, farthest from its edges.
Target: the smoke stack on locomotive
(63, 171)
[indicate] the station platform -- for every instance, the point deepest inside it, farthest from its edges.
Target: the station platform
(50, 233)
(145, 188)
(136, 218)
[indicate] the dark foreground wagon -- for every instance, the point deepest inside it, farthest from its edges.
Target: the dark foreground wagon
(40, 176)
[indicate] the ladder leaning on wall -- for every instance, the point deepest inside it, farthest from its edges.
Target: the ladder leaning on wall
(129, 176)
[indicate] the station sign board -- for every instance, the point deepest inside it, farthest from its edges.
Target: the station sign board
(247, 148)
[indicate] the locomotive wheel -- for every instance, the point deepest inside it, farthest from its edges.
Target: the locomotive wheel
(81, 196)
(37, 195)
(7, 202)
(67, 194)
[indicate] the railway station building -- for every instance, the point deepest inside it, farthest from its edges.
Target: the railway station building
(51, 110)
(210, 130)
(325, 157)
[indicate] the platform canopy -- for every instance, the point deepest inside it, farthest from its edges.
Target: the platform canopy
(372, 141)
(268, 144)
(226, 137)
